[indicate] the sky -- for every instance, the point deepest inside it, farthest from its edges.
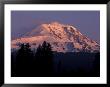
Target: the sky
(87, 22)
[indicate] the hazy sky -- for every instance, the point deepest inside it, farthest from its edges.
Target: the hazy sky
(87, 22)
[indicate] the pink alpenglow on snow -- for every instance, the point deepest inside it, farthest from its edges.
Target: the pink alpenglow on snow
(63, 38)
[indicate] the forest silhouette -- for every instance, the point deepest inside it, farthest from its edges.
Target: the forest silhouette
(40, 63)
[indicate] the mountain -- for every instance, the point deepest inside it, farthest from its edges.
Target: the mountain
(63, 38)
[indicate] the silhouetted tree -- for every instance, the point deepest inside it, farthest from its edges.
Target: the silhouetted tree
(24, 60)
(44, 59)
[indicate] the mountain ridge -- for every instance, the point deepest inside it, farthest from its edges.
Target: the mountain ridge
(63, 38)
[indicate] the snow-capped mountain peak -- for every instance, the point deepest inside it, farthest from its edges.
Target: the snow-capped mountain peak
(63, 38)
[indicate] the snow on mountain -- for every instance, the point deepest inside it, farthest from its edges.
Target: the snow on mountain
(63, 38)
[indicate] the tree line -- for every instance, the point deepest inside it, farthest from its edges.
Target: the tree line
(26, 62)
(29, 63)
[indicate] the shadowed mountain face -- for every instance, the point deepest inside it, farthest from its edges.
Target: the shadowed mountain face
(63, 38)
